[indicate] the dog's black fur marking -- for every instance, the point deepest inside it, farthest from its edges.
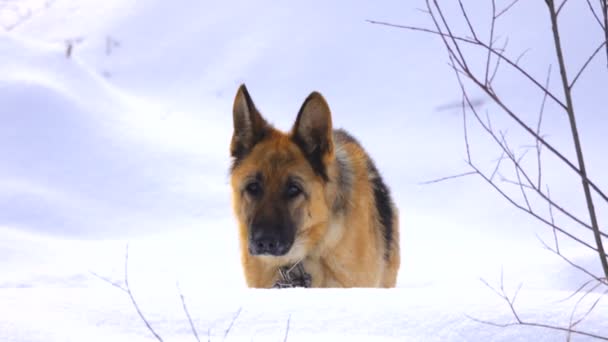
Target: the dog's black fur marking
(382, 199)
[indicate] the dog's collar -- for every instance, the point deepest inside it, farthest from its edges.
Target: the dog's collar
(293, 276)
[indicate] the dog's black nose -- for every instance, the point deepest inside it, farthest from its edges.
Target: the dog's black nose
(264, 244)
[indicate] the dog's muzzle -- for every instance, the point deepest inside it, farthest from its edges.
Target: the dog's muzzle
(267, 244)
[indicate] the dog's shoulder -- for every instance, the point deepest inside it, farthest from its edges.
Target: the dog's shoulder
(382, 198)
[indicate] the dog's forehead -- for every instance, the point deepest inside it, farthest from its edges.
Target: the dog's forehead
(279, 157)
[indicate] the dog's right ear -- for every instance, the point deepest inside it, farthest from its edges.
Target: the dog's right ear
(249, 126)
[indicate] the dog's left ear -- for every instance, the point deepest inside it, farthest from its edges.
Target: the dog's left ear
(312, 132)
(249, 125)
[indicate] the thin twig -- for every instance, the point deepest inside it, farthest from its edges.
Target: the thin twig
(559, 9)
(521, 55)
(578, 290)
(538, 125)
(419, 29)
(580, 71)
(579, 301)
(462, 61)
(127, 290)
(502, 157)
(604, 5)
(287, 328)
(232, 323)
(465, 129)
(116, 285)
(497, 65)
(466, 18)
(506, 8)
(597, 18)
(141, 315)
(573, 264)
(181, 296)
(438, 180)
(555, 240)
(573, 323)
(490, 42)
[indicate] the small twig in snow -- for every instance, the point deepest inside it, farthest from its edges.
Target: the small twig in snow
(127, 290)
(181, 296)
(287, 329)
(232, 322)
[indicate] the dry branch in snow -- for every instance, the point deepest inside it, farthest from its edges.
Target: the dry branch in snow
(464, 50)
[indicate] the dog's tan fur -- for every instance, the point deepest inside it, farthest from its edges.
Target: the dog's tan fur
(339, 233)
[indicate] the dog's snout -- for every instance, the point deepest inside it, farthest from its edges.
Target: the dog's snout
(261, 243)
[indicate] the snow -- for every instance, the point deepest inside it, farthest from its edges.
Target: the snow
(429, 314)
(126, 143)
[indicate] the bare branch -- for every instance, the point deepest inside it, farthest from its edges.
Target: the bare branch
(539, 325)
(454, 41)
(604, 4)
(578, 74)
(580, 268)
(506, 9)
(23, 16)
(597, 18)
(497, 64)
(534, 214)
(438, 180)
(555, 240)
(462, 61)
(590, 309)
(419, 29)
(127, 290)
(559, 9)
(578, 290)
(181, 296)
(518, 170)
(236, 315)
(519, 58)
(490, 42)
(141, 315)
(117, 285)
(538, 125)
(505, 108)
(506, 150)
(466, 18)
(465, 130)
(497, 53)
(287, 329)
(575, 137)
(519, 322)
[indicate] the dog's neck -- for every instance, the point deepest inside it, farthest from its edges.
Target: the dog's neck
(293, 276)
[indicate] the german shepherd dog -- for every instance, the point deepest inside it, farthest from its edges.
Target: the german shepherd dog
(312, 198)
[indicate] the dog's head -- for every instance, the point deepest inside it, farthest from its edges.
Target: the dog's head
(279, 179)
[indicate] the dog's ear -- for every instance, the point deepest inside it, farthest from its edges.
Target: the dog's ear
(249, 125)
(312, 132)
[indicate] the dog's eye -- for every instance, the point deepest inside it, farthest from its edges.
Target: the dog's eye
(293, 190)
(254, 189)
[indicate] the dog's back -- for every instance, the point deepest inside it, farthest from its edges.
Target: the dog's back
(366, 218)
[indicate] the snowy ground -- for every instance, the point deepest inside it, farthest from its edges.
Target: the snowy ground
(126, 142)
